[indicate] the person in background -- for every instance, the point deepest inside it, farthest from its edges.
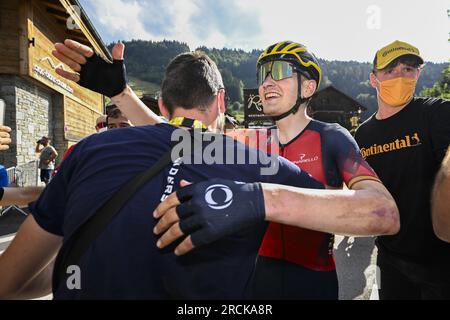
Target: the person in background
(116, 119)
(47, 158)
(100, 124)
(405, 142)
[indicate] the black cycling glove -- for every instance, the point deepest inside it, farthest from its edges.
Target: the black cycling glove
(102, 76)
(215, 208)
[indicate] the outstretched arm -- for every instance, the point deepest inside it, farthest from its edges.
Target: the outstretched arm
(441, 201)
(134, 109)
(20, 196)
(89, 69)
(367, 210)
(25, 267)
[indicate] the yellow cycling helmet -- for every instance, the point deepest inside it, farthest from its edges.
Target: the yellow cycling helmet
(303, 61)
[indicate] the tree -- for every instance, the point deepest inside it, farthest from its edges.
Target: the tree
(146, 62)
(440, 89)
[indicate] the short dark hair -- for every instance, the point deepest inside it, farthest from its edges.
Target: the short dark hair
(44, 138)
(192, 80)
(112, 111)
(409, 60)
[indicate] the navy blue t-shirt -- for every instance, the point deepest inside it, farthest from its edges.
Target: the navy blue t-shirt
(124, 262)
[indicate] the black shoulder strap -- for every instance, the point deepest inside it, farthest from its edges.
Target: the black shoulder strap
(74, 248)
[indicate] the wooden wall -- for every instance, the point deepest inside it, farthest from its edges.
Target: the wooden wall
(9, 30)
(25, 20)
(79, 121)
(46, 32)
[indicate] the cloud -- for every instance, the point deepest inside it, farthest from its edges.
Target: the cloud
(224, 17)
(209, 23)
(332, 29)
(159, 18)
(120, 19)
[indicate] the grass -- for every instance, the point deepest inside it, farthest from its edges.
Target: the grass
(142, 87)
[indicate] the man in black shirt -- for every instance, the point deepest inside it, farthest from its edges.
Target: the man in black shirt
(405, 143)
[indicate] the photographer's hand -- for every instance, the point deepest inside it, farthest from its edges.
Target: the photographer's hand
(5, 138)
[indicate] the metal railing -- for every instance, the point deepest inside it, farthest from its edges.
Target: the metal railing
(26, 175)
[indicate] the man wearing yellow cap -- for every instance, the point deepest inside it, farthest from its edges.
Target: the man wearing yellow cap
(405, 142)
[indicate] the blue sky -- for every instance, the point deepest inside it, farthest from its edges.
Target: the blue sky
(333, 29)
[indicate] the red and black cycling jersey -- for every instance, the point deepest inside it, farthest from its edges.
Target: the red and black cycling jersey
(330, 154)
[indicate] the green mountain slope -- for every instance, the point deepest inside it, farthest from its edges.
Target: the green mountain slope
(146, 61)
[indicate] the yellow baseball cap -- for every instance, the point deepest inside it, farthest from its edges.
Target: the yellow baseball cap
(394, 50)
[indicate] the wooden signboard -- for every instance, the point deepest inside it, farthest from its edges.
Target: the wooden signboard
(81, 106)
(43, 65)
(253, 110)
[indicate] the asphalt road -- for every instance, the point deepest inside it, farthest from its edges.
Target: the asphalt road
(356, 267)
(9, 224)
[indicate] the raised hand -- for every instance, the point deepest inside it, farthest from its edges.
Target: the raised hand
(91, 70)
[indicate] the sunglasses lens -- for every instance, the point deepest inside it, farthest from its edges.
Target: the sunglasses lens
(279, 70)
(263, 72)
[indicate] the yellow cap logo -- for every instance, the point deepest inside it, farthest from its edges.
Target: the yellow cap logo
(394, 50)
